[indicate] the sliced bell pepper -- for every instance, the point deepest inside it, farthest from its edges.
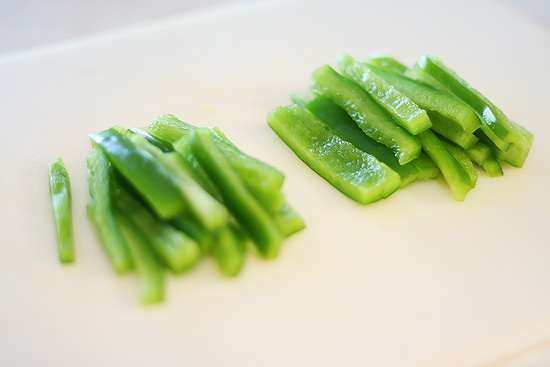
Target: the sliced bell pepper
(150, 269)
(387, 63)
(229, 249)
(403, 110)
(454, 172)
(178, 251)
(462, 158)
(433, 100)
(353, 172)
(484, 157)
(450, 130)
(154, 182)
(240, 202)
(60, 193)
(374, 121)
(494, 123)
(288, 221)
(169, 128)
(208, 211)
(101, 212)
(263, 180)
(163, 145)
(340, 122)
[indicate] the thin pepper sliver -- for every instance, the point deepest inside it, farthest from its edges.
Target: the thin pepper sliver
(149, 268)
(60, 193)
(101, 212)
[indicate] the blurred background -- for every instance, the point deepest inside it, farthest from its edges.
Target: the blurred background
(30, 23)
(27, 24)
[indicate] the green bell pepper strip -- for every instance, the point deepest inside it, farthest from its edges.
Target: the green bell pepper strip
(462, 157)
(101, 212)
(240, 202)
(177, 250)
(153, 181)
(208, 211)
(342, 125)
(387, 63)
(433, 101)
(288, 221)
(183, 147)
(515, 155)
(426, 167)
(450, 130)
(169, 128)
(229, 249)
(263, 180)
(159, 143)
(403, 110)
(266, 188)
(492, 167)
(150, 269)
(494, 123)
(454, 173)
(226, 244)
(189, 225)
(353, 172)
(60, 193)
(374, 121)
(299, 99)
(484, 157)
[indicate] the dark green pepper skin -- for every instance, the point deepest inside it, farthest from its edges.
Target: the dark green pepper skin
(355, 173)
(154, 183)
(241, 203)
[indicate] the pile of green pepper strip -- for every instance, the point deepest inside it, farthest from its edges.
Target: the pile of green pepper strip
(378, 126)
(167, 195)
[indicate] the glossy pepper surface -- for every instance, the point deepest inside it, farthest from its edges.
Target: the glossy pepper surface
(366, 112)
(153, 181)
(352, 171)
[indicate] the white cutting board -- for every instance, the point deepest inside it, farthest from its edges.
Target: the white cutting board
(414, 280)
